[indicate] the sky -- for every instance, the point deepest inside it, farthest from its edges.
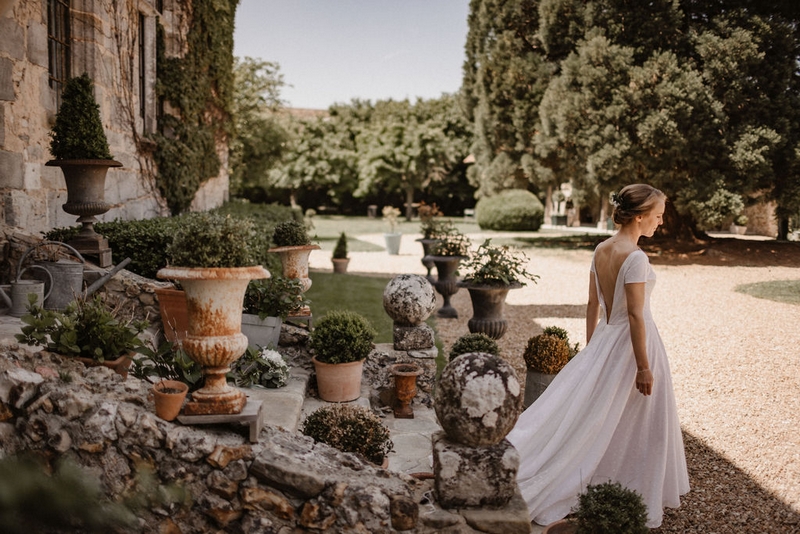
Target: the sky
(332, 51)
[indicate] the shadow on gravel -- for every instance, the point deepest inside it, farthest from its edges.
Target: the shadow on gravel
(723, 499)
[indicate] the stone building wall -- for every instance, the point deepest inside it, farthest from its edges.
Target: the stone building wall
(104, 43)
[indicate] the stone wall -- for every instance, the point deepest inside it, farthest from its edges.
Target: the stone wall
(104, 37)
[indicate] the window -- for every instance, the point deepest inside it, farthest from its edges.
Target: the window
(142, 68)
(58, 45)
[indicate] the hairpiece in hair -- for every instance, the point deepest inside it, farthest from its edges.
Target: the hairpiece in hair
(616, 199)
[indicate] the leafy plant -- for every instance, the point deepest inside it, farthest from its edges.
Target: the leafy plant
(350, 428)
(740, 220)
(390, 213)
(168, 361)
(474, 342)
(78, 131)
(85, 328)
(340, 251)
(546, 354)
(451, 243)
(264, 367)
(430, 217)
(342, 336)
(610, 508)
(274, 297)
(290, 233)
(497, 265)
(210, 240)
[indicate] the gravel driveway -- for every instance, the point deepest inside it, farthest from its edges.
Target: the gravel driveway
(735, 364)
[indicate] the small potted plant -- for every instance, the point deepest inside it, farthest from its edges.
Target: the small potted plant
(739, 225)
(176, 372)
(393, 237)
(86, 330)
(340, 259)
(267, 303)
(545, 355)
(341, 341)
(211, 257)
(293, 245)
(607, 508)
(350, 428)
(490, 273)
(446, 254)
(474, 342)
(80, 148)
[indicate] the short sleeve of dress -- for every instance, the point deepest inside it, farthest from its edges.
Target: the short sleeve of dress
(637, 268)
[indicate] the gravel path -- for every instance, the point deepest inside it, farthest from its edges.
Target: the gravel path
(735, 364)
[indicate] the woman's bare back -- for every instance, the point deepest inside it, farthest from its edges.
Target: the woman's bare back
(608, 259)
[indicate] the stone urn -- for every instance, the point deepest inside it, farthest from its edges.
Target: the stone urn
(446, 283)
(405, 388)
(214, 298)
(488, 303)
(294, 262)
(427, 244)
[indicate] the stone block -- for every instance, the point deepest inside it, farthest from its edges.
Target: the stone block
(513, 518)
(37, 44)
(418, 337)
(473, 476)
(12, 38)
(11, 176)
(18, 386)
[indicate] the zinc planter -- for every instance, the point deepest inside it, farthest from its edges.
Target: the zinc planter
(338, 382)
(535, 384)
(214, 299)
(488, 307)
(393, 243)
(264, 332)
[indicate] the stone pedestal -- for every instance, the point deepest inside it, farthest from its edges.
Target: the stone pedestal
(474, 476)
(409, 299)
(413, 337)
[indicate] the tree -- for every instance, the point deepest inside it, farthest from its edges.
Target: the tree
(258, 139)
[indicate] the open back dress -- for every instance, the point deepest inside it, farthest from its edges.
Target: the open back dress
(591, 425)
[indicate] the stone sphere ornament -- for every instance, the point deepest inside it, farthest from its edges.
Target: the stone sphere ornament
(409, 299)
(478, 399)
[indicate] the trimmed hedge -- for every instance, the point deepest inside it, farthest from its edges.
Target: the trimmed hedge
(512, 209)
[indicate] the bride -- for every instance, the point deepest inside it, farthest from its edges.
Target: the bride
(610, 414)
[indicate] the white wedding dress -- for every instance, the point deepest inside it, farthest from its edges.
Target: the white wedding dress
(591, 425)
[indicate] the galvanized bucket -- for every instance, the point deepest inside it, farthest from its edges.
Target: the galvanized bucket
(21, 289)
(66, 276)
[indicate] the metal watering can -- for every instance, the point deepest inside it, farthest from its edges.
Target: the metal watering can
(66, 276)
(20, 289)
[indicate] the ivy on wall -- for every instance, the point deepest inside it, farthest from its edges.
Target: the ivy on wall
(199, 87)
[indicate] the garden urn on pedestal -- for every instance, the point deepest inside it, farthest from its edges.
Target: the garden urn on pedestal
(294, 246)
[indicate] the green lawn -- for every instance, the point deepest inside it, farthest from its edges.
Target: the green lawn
(787, 291)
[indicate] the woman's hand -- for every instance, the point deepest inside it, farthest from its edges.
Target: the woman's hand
(644, 381)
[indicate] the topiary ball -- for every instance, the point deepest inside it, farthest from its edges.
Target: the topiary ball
(478, 399)
(546, 354)
(512, 209)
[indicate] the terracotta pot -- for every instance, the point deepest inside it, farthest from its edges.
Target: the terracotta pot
(119, 365)
(340, 265)
(488, 303)
(562, 526)
(405, 388)
(169, 396)
(174, 313)
(214, 339)
(338, 382)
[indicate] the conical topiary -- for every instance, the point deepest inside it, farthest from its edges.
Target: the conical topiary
(340, 251)
(78, 131)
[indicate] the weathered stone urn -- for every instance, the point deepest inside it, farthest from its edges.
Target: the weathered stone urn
(214, 338)
(294, 262)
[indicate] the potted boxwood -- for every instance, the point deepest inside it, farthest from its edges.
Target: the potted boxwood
(267, 303)
(607, 508)
(393, 237)
(293, 245)
(341, 341)
(350, 428)
(446, 254)
(340, 259)
(80, 148)
(545, 355)
(211, 257)
(490, 273)
(85, 330)
(474, 342)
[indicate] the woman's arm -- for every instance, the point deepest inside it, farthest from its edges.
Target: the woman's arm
(634, 294)
(592, 308)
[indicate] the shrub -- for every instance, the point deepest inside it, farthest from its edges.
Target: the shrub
(290, 233)
(212, 240)
(475, 342)
(342, 336)
(340, 251)
(350, 428)
(610, 508)
(560, 332)
(546, 354)
(513, 209)
(78, 131)
(274, 297)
